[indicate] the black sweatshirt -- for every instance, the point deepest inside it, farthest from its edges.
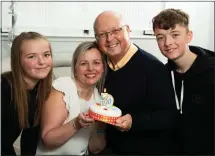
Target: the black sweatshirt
(196, 130)
(10, 125)
(143, 89)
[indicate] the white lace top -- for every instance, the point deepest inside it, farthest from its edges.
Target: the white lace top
(78, 143)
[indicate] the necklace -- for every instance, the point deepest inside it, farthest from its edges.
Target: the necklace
(87, 96)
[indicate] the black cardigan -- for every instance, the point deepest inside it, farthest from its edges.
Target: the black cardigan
(143, 89)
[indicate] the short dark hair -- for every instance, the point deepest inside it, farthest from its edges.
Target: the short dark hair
(168, 18)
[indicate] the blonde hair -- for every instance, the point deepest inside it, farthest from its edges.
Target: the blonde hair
(80, 50)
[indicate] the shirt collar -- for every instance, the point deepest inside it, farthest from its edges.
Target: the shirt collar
(131, 51)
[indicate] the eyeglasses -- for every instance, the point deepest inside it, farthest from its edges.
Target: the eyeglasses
(104, 35)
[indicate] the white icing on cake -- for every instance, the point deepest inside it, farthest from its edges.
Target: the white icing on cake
(106, 111)
(105, 107)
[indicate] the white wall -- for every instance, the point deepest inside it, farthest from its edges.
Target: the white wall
(201, 22)
(71, 18)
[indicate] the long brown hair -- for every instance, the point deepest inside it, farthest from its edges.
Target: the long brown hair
(20, 93)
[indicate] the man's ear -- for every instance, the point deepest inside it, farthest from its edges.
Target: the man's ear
(189, 36)
(128, 28)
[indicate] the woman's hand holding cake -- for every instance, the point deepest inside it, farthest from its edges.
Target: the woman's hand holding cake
(83, 120)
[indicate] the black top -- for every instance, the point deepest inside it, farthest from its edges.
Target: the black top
(142, 88)
(196, 131)
(10, 125)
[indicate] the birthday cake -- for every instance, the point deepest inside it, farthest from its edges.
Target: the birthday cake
(105, 111)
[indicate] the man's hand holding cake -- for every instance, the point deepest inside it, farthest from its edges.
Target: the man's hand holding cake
(124, 123)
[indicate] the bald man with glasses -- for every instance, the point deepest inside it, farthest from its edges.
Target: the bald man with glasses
(141, 88)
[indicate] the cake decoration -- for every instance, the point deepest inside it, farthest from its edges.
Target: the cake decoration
(107, 100)
(105, 111)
